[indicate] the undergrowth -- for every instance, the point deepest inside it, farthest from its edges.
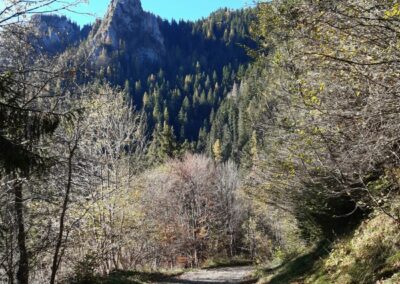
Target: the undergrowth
(371, 254)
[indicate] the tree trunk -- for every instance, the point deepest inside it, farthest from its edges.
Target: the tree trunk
(9, 250)
(23, 262)
(57, 255)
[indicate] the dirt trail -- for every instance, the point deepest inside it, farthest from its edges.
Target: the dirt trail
(240, 274)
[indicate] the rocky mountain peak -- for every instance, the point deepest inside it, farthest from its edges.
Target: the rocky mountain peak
(121, 6)
(127, 26)
(124, 10)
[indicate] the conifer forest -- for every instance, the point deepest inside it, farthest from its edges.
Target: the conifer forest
(254, 145)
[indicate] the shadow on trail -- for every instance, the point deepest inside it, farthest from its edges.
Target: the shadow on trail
(133, 277)
(177, 280)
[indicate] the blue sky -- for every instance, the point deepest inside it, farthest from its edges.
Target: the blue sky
(168, 9)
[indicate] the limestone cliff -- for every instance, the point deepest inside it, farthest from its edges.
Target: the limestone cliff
(126, 27)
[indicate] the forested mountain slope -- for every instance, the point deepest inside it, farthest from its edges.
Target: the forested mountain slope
(137, 144)
(177, 72)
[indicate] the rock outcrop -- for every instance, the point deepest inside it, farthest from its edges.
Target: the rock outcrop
(126, 27)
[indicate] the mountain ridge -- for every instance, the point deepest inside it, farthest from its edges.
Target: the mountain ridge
(178, 73)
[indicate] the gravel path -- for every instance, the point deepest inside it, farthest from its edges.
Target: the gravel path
(241, 274)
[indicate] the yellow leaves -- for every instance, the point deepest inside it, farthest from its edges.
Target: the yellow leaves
(316, 130)
(289, 167)
(217, 151)
(277, 59)
(394, 12)
(311, 96)
(301, 132)
(315, 100)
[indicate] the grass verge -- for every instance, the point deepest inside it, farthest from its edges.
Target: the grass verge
(371, 254)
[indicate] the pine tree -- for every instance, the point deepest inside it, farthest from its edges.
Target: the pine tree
(227, 140)
(196, 99)
(207, 84)
(157, 116)
(185, 148)
(188, 83)
(186, 104)
(210, 98)
(146, 101)
(168, 145)
(183, 119)
(166, 115)
(138, 87)
(201, 141)
(215, 77)
(203, 98)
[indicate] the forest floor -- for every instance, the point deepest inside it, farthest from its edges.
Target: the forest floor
(238, 274)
